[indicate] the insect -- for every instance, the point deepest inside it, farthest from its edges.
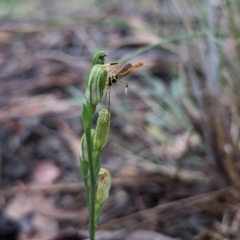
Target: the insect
(116, 77)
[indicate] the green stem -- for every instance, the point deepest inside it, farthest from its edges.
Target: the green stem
(85, 172)
(97, 162)
(87, 191)
(92, 186)
(90, 181)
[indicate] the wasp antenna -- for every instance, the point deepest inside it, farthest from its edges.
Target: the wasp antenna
(111, 64)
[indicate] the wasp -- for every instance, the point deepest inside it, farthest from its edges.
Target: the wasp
(116, 77)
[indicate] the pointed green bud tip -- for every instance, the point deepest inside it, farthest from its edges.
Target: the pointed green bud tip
(96, 84)
(84, 147)
(104, 184)
(100, 138)
(99, 58)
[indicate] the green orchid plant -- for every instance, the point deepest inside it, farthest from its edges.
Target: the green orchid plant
(97, 180)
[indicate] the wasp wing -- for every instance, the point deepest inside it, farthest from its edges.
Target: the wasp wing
(128, 68)
(125, 71)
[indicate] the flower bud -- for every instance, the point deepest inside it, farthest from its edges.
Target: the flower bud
(99, 58)
(104, 184)
(84, 149)
(102, 130)
(96, 84)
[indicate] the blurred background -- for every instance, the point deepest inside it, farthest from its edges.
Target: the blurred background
(174, 144)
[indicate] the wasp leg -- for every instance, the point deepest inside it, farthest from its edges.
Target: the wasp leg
(111, 88)
(114, 70)
(126, 87)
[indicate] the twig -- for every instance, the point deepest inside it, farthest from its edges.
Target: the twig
(55, 188)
